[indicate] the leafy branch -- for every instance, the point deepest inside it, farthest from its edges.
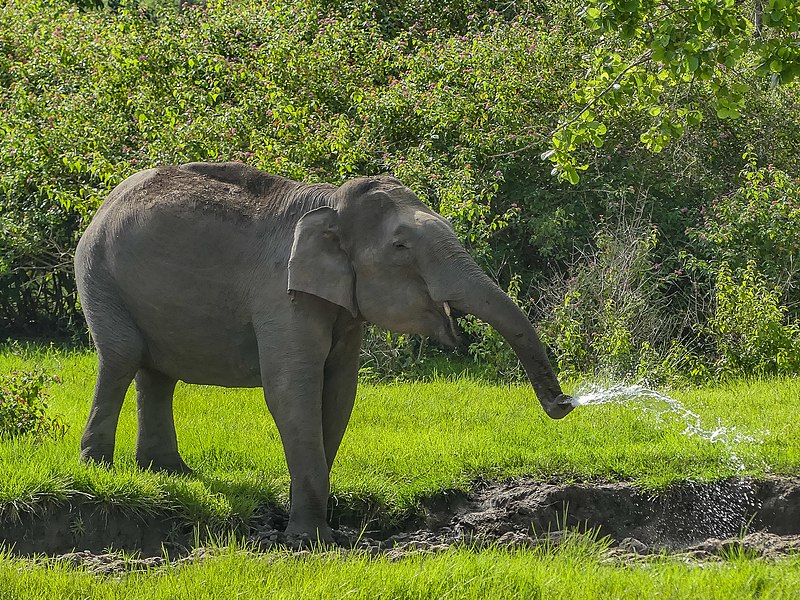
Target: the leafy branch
(698, 46)
(593, 102)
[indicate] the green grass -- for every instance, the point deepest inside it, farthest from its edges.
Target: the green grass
(575, 570)
(405, 441)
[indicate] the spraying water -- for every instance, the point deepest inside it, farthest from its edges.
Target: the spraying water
(660, 405)
(721, 509)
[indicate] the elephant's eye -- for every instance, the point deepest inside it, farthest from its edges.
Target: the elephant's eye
(400, 246)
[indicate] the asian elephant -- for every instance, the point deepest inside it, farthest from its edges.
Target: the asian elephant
(220, 274)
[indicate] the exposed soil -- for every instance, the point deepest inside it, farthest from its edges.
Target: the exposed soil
(95, 527)
(699, 521)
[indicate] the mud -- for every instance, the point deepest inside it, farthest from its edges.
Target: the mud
(694, 520)
(94, 527)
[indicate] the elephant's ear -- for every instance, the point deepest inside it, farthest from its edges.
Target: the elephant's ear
(318, 265)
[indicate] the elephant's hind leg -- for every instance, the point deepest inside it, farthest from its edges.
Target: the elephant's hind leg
(156, 441)
(114, 375)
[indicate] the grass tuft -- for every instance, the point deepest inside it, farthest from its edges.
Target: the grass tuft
(577, 568)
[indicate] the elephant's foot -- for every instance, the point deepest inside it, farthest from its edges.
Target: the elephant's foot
(309, 535)
(172, 464)
(98, 455)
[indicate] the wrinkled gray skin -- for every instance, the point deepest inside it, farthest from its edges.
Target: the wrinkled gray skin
(220, 274)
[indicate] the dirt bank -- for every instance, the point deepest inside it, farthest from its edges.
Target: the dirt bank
(760, 517)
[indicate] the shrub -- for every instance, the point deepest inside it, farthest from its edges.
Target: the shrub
(314, 90)
(608, 315)
(23, 406)
(386, 356)
(757, 222)
(749, 326)
(458, 100)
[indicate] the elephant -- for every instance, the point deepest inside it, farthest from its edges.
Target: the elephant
(221, 274)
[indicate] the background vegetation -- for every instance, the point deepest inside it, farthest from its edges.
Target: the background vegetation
(674, 255)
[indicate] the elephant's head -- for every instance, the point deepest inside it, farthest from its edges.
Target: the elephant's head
(382, 254)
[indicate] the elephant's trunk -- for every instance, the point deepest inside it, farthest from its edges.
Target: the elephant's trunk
(470, 290)
(489, 303)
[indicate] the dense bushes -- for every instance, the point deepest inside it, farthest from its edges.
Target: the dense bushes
(458, 100)
(759, 222)
(610, 314)
(307, 90)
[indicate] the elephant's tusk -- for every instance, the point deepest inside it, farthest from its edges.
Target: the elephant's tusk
(451, 324)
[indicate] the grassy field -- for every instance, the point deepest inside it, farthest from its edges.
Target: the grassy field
(405, 441)
(576, 570)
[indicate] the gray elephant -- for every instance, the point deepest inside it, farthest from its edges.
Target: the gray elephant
(220, 274)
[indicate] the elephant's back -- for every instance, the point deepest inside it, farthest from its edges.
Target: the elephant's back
(221, 192)
(168, 221)
(228, 200)
(185, 256)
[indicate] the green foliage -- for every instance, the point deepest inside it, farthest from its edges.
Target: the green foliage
(758, 222)
(23, 406)
(386, 356)
(459, 101)
(609, 316)
(749, 326)
(665, 61)
(36, 282)
(310, 90)
(746, 251)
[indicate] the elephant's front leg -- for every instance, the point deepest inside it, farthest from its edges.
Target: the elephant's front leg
(292, 374)
(341, 380)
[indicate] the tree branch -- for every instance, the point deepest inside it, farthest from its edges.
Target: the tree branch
(639, 61)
